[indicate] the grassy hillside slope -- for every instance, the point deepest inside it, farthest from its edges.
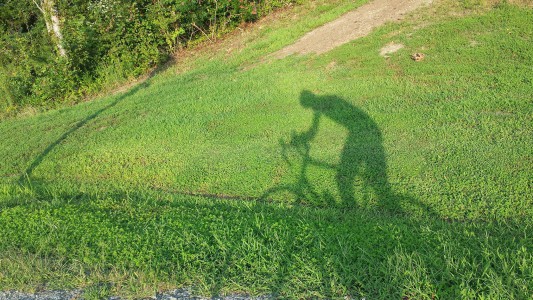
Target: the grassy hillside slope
(415, 180)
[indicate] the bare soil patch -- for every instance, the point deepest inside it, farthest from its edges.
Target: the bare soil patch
(351, 26)
(390, 48)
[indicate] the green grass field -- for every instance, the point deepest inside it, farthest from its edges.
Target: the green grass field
(344, 174)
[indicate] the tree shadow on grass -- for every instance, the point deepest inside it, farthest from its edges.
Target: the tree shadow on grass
(225, 246)
(26, 176)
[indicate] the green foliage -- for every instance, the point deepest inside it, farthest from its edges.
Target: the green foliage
(102, 37)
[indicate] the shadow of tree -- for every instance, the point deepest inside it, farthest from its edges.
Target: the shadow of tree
(263, 248)
(27, 174)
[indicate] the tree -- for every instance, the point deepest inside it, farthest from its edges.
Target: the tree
(53, 24)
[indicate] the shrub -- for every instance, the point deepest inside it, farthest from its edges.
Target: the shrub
(106, 42)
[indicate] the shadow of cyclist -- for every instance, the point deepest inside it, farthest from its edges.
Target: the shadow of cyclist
(362, 154)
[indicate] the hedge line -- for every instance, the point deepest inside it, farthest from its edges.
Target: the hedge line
(106, 41)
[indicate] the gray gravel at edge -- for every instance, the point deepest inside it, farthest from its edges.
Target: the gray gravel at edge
(179, 294)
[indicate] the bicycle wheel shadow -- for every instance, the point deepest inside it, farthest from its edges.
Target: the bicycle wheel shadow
(362, 159)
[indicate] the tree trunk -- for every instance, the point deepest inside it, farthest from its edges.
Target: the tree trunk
(53, 24)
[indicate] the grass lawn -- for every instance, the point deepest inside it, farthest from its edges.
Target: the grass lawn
(344, 174)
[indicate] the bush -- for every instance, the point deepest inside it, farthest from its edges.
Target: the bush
(106, 42)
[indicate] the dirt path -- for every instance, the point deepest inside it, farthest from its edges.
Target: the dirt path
(351, 26)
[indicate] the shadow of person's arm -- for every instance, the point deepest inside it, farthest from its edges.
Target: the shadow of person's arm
(306, 136)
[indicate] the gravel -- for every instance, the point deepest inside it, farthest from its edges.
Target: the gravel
(179, 294)
(48, 295)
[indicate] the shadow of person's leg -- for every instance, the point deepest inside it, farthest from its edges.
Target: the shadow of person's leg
(348, 168)
(376, 177)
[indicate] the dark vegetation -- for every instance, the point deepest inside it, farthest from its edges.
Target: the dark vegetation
(106, 42)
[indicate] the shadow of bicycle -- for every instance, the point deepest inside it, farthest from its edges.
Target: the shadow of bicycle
(362, 160)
